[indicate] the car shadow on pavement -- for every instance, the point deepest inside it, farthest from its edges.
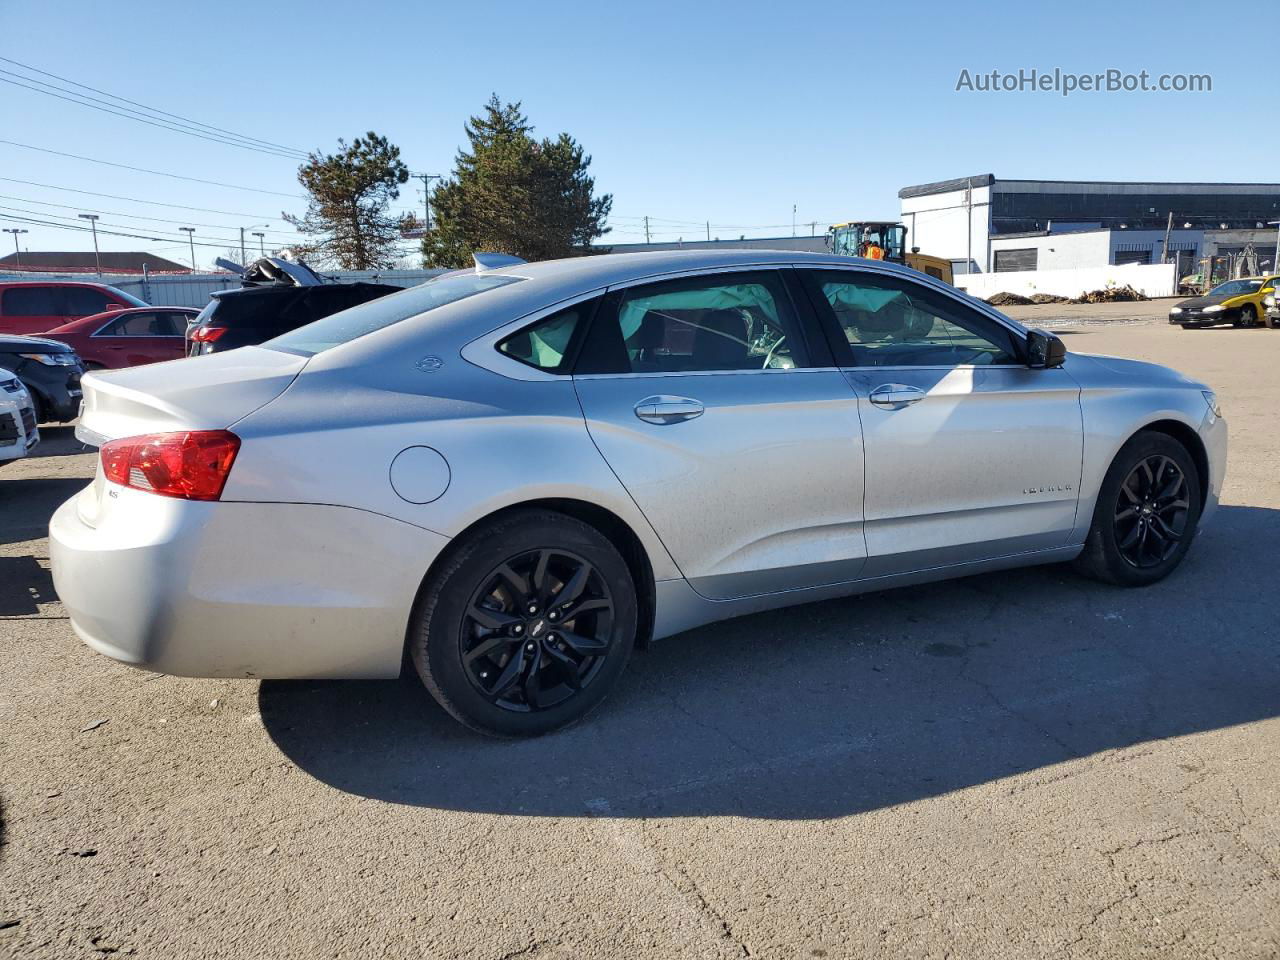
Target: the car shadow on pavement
(24, 585)
(27, 504)
(59, 440)
(846, 706)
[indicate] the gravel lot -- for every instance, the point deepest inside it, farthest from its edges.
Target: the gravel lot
(1019, 765)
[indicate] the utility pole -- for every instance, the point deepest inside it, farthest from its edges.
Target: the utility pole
(646, 228)
(191, 239)
(1275, 266)
(1164, 258)
(17, 252)
(813, 228)
(262, 249)
(708, 231)
(426, 179)
(793, 219)
(93, 222)
(243, 257)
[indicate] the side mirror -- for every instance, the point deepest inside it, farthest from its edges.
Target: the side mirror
(1044, 350)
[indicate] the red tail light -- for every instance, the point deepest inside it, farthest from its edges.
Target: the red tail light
(192, 465)
(207, 334)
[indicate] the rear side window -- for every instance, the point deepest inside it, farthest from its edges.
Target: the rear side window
(360, 321)
(545, 344)
(721, 322)
(32, 302)
(84, 301)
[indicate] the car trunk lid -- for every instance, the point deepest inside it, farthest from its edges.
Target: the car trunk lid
(211, 392)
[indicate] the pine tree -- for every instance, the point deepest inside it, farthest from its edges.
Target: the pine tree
(513, 194)
(349, 193)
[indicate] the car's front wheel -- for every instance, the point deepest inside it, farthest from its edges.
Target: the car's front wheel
(527, 625)
(1248, 316)
(1146, 515)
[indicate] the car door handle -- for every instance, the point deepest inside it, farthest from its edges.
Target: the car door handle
(894, 394)
(664, 409)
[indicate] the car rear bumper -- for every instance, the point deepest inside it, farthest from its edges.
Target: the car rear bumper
(18, 431)
(240, 589)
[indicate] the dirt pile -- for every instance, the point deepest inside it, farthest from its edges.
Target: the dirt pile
(1123, 294)
(1008, 300)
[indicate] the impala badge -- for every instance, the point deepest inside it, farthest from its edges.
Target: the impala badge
(1051, 488)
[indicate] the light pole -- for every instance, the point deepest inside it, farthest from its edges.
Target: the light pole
(262, 249)
(17, 252)
(93, 222)
(244, 256)
(1275, 264)
(191, 238)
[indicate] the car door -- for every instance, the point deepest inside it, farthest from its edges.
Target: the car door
(970, 454)
(728, 430)
(133, 339)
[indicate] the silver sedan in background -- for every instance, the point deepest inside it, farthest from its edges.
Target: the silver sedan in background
(517, 474)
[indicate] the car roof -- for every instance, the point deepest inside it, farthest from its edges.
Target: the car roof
(610, 268)
(548, 282)
(57, 283)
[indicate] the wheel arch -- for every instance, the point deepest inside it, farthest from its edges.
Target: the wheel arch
(616, 530)
(1190, 439)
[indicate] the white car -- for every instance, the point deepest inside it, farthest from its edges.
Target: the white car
(515, 475)
(18, 430)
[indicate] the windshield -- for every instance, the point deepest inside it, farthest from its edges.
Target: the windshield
(1234, 288)
(350, 324)
(127, 297)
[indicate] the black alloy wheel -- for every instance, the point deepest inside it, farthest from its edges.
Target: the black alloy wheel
(1146, 513)
(537, 630)
(1151, 512)
(525, 624)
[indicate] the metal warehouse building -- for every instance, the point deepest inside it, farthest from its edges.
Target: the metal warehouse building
(983, 224)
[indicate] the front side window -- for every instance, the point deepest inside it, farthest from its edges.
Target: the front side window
(348, 325)
(139, 325)
(891, 322)
(85, 301)
(734, 321)
(545, 344)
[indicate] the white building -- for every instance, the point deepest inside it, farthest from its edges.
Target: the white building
(968, 219)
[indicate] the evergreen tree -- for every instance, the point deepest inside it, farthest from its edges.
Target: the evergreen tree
(510, 193)
(349, 193)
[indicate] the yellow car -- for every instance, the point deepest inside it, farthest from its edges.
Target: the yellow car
(1237, 302)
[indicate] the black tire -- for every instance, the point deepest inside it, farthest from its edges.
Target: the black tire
(1105, 555)
(1248, 317)
(446, 632)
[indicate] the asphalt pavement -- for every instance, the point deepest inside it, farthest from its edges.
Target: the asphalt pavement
(1024, 764)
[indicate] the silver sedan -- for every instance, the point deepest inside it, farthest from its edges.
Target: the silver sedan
(518, 474)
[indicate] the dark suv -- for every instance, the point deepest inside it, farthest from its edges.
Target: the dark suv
(50, 371)
(277, 297)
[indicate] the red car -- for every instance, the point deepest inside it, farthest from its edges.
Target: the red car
(34, 306)
(127, 338)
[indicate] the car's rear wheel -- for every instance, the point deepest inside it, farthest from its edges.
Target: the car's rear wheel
(527, 626)
(1147, 512)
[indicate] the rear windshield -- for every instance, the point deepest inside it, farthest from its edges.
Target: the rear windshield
(364, 319)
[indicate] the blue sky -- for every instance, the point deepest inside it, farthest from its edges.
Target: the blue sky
(728, 112)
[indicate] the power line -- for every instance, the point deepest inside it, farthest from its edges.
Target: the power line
(134, 216)
(155, 173)
(112, 233)
(163, 113)
(169, 234)
(163, 125)
(153, 203)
